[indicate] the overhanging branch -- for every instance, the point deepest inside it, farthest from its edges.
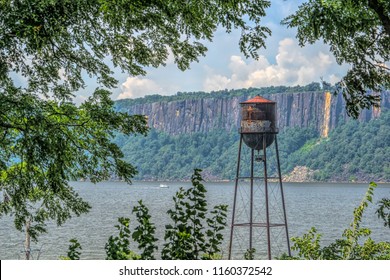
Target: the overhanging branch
(380, 10)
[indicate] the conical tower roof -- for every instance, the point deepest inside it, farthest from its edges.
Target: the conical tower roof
(257, 99)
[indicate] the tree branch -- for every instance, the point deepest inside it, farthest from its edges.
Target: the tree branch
(379, 9)
(10, 126)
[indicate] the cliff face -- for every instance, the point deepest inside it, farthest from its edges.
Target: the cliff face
(319, 109)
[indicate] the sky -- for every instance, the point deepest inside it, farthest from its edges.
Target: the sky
(283, 62)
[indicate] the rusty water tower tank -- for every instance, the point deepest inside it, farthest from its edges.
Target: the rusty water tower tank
(258, 119)
(261, 189)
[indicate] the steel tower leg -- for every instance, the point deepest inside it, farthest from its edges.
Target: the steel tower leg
(251, 204)
(235, 198)
(282, 194)
(266, 196)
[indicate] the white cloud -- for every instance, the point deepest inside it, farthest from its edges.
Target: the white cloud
(217, 82)
(293, 66)
(135, 87)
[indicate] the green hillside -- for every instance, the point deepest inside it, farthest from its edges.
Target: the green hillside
(354, 151)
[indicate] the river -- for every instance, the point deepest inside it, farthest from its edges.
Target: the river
(326, 206)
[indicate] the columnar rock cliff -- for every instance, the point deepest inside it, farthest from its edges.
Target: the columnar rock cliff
(319, 109)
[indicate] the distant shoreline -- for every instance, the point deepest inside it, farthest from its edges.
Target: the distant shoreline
(232, 181)
(283, 181)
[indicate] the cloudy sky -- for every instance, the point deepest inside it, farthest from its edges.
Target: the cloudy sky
(283, 62)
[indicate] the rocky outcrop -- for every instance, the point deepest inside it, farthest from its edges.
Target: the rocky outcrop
(321, 110)
(187, 116)
(300, 174)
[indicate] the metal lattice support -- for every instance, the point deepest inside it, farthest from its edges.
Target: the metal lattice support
(259, 219)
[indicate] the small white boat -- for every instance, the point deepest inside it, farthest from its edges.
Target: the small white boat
(164, 186)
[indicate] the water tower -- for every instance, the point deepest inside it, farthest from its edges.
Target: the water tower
(259, 222)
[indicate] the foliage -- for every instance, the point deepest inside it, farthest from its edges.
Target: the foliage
(144, 232)
(358, 33)
(350, 247)
(186, 238)
(250, 254)
(216, 224)
(163, 156)
(383, 211)
(118, 247)
(48, 144)
(48, 47)
(44, 37)
(354, 148)
(74, 251)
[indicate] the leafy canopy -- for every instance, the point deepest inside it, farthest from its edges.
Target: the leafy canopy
(51, 42)
(47, 47)
(44, 145)
(358, 33)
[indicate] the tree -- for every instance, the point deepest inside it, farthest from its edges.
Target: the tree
(358, 33)
(50, 42)
(46, 49)
(44, 145)
(187, 238)
(355, 244)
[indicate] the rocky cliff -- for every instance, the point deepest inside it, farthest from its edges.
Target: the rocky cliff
(322, 110)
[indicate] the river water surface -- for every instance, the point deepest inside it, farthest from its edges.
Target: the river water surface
(328, 207)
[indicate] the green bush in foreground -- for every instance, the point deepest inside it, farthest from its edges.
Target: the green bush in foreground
(349, 247)
(74, 251)
(186, 238)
